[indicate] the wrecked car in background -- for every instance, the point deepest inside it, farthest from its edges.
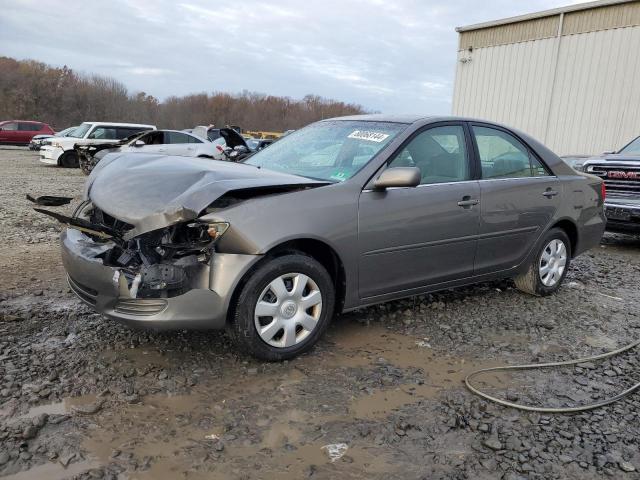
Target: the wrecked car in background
(61, 150)
(39, 140)
(620, 172)
(344, 213)
(168, 142)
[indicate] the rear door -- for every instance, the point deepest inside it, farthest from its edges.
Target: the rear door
(519, 197)
(413, 237)
(179, 143)
(26, 131)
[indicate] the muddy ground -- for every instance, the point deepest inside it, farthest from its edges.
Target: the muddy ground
(381, 397)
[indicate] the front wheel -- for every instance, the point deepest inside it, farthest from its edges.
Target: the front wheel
(284, 308)
(69, 160)
(549, 267)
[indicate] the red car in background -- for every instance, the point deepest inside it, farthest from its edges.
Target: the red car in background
(20, 132)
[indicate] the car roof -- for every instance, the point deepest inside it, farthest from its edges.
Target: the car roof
(116, 124)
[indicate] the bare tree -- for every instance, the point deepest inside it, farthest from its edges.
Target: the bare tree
(61, 97)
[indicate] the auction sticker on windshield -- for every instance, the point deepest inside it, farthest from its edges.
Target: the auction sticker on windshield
(370, 136)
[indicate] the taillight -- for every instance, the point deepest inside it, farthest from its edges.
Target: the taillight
(603, 191)
(220, 149)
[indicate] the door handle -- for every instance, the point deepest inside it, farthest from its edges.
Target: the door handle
(550, 193)
(468, 202)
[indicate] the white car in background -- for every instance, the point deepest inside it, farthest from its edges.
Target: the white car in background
(163, 142)
(61, 150)
(40, 140)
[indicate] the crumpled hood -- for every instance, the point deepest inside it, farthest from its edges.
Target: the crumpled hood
(151, 191)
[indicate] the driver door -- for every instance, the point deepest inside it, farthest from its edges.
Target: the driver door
(413, 237)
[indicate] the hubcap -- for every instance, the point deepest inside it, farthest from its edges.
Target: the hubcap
(553, 262)
(288, 310)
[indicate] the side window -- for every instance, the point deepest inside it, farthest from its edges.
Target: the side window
(103, 133)
(10, 126)
(29, 127)
(176, 137)
(193, 139)
(440, 154)
(146, 138)
(504, 156)
(537, 168)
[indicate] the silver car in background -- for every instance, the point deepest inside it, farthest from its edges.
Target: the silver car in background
(341, 214)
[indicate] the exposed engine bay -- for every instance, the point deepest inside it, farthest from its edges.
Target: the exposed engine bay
(162, 263)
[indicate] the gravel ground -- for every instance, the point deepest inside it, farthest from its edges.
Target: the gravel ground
(381, 397)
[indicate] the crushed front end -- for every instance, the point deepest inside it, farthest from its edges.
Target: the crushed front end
(166, 278)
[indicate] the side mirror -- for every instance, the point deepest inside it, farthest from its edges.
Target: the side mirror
(398, 177)
(608, 153)
(139, 143)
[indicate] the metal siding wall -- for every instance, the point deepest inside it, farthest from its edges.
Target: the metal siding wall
(511, 33)
(613, 16)
(596, 101)
(596, 98)
(507, 84)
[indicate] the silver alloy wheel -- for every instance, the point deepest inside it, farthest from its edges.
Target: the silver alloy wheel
(288, 310)
(552, 262)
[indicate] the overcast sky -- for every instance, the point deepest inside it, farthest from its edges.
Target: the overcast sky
(395, 56)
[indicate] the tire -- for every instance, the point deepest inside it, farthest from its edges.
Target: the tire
(86, 164)
(282, 336)
(535, 281)
(69, 160)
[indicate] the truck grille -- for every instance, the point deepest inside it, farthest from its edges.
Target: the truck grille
(618, 179)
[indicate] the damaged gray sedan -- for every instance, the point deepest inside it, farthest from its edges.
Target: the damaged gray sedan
(344, 213)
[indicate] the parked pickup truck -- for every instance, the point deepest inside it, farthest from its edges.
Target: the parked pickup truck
(61, 151)
(621, 174)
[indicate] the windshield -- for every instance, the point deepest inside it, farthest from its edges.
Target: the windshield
(68, 132)
(81, 131)
(331, 151)
(633, 148)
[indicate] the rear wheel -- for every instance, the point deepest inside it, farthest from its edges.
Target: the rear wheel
(284, 308)
(69, 160)
(549, 267)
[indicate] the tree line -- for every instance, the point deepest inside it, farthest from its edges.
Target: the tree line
(61, 97)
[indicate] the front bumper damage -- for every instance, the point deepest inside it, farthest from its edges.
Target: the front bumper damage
(201, 302)
(50, 154)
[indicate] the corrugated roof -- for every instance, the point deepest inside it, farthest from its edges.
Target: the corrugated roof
(545, 13)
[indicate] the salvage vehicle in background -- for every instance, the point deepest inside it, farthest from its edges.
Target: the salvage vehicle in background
(20, 132)
(62, 151)
(229, 144)
(256, 144)
(344, 213)
(39, 140)
(620, 172)
(165, 142)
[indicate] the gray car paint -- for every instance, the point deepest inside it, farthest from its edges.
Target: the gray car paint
(390, 244)
(156, 191)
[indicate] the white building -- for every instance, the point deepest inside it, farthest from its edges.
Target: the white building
(570, 77)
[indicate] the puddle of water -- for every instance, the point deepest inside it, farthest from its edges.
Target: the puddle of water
(173, 430)
(138, 357)
(53, 471)
(58, 408)
(601, 341)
